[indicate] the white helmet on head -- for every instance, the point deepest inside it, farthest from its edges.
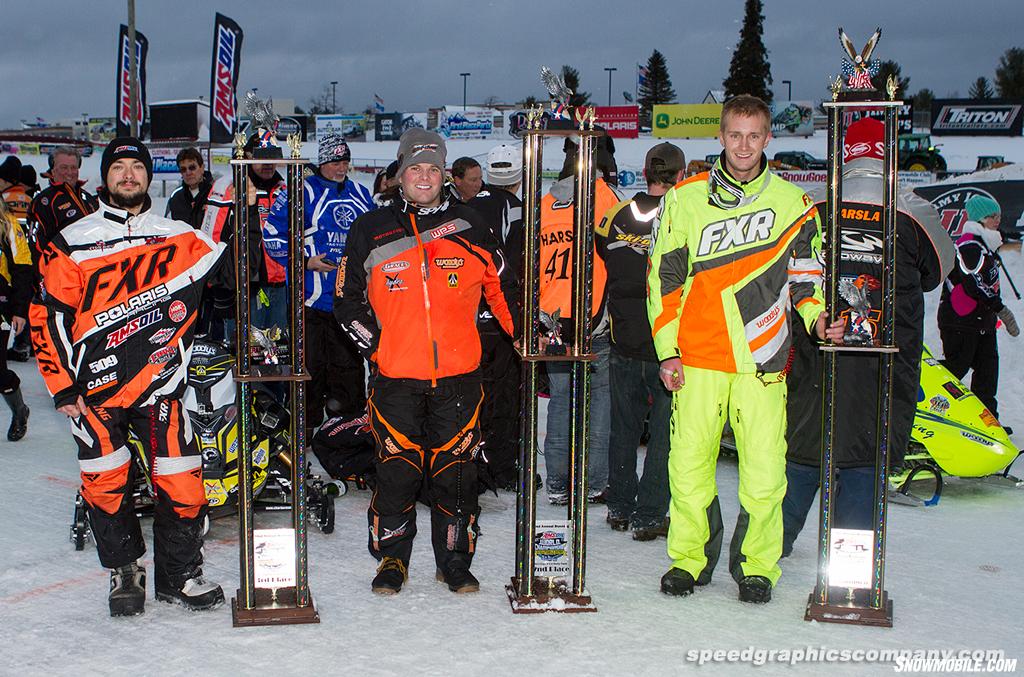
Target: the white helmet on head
(504, 165)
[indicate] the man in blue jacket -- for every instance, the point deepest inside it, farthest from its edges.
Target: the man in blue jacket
(332, 203)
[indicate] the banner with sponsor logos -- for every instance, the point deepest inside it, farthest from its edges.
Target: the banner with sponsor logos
(468, 124)
(904, 118)
(102, 130)
(949, 199)
(351, 126)
(686, 120)
(792, 118)
(631, 178)
(124, 96)
(391, 126)
(974, 117)
(227, 59)
(165, 160)
(621, 122)
(809, 179)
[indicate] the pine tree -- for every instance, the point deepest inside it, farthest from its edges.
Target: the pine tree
(923, 99)
(1010, 74)
(571, 76)
(749, 71)
(886, 69)
(981, 89)
(657, 88)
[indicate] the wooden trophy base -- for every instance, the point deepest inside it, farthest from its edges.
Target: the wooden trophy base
(558, 599)
(269, 610)
(856, 611)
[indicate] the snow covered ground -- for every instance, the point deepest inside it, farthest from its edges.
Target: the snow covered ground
(954, 572)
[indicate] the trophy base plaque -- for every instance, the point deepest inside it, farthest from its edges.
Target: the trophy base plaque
(558, 599)
(272, 610)
(852, 610)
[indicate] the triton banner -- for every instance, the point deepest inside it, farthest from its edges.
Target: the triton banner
(124, 95)
(975, 117)
(227, 59)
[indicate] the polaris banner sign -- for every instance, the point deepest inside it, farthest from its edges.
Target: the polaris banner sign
(973, 117)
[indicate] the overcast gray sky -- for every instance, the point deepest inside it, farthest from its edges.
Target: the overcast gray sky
(57, 57)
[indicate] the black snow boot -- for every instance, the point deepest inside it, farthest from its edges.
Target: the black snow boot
(755, 590)
(391, 574)
(19, 415)
(194, 593)
(616, 521)
(457, 577)
(127, 590)
(677, 582)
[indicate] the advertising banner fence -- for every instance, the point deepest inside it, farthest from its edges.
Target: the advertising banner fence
(686, 120)
(792, 118)
(621, 122)
(972, 117)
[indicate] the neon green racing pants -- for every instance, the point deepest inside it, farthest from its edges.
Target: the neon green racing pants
(756, 409)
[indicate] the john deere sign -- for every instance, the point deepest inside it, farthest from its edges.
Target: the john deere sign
(687, 121)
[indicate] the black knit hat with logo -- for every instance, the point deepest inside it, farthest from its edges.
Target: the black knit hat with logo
(125, 147)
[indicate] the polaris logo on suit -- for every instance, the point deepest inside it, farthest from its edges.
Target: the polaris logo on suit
(743, 230)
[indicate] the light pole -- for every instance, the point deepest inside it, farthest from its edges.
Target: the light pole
(789, 89)
(334, 98)
(610, 71)
(465, 77)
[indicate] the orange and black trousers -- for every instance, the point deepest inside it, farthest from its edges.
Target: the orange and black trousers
(109, 480)
(427, 437)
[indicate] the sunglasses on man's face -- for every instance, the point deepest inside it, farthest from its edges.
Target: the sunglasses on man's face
(187, 168)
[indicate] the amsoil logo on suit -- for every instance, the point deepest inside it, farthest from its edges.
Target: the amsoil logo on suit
(119, 336)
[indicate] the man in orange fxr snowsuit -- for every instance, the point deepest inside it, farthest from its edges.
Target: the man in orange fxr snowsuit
(735, 250)
(407, 294)
(112, 329)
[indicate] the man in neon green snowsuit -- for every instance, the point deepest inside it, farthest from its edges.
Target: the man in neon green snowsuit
(734, 250)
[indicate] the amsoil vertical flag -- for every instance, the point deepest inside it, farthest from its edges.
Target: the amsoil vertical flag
(378, 103)
(227, 58)
(641, 76)
(124, 91)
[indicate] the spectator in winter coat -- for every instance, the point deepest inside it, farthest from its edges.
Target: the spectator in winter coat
(623, 240)
(468, 176)
(556, 261)
(924, 254)
(28, 180)
(188, 202)
(14, 194)
(971, 305)
(500, 366)
(63, 202)
(332, 203)
(15, 292)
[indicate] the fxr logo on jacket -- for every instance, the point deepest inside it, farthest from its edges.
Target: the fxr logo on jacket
(742, 230)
